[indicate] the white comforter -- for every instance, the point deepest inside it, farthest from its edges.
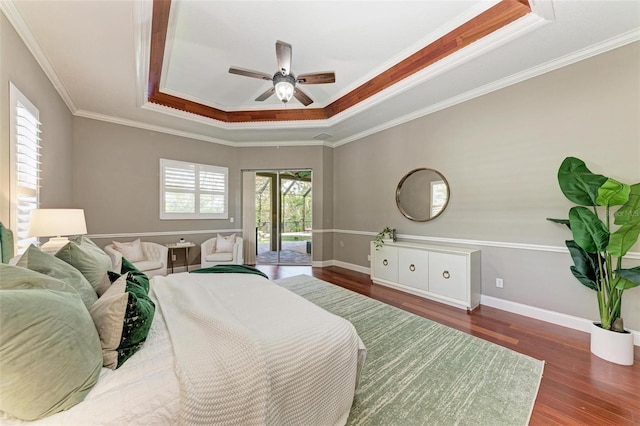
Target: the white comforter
(249, 352)
(263, 356)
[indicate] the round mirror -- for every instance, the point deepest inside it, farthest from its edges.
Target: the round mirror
(422, 194)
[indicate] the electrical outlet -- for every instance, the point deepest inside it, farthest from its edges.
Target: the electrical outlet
(499, 282)
(369, 257)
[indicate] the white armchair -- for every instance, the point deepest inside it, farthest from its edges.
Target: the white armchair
(209, 256)
(154, 262)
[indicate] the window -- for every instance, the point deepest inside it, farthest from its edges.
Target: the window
(438, 196)
(25, 166)
(193, 191)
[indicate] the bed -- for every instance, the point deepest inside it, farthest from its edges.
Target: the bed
(227, 349)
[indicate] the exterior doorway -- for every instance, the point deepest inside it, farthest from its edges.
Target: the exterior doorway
(283, 217)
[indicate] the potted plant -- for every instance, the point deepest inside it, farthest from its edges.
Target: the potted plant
(386, 235)
(597, 250)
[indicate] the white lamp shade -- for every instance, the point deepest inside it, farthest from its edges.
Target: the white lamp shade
(57, 222)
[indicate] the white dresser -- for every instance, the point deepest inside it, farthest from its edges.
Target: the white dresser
(449, 275)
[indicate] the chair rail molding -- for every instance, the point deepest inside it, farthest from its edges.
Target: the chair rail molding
(164, 233)
(482, 243)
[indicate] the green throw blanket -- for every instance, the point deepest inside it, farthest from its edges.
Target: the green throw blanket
(230, 269)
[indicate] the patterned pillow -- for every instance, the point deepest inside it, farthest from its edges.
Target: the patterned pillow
(90, 260)
(224, 244)
(47, 264)
(135, 275)
(123, 317)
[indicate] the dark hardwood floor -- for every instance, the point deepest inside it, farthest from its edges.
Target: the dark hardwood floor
(577, 387)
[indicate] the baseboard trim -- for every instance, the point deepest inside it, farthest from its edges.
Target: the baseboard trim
(351, 266)
(557, 318)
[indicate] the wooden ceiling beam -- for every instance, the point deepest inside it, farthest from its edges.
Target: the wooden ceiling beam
(494, 18)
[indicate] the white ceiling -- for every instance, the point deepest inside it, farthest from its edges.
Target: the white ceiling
(97, 52)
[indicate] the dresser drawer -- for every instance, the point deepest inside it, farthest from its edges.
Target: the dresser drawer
(413, 268)
(385, 263)
(448, 275)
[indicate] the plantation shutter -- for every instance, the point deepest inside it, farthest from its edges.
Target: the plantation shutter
(193, 191)
(25, 163)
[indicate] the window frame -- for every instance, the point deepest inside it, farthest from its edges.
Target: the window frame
(21, 241)
(197, 191)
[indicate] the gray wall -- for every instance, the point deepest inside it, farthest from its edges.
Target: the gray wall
(117, 176)
(116, 180)
(18, 66)
(500, 154)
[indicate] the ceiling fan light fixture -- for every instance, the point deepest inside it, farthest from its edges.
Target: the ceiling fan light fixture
(285, 86)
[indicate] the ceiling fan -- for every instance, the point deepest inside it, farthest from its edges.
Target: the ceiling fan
(284, 81)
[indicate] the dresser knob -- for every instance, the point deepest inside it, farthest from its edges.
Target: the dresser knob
(446, 275)
(385, 262)
(412, 267)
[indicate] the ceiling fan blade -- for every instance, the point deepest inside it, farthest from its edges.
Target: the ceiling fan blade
(266, 94)
(283, 55)
(317, 78)
(250, 73)
(302, 97)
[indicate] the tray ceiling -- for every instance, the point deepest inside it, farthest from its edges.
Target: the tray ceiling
(145, 63)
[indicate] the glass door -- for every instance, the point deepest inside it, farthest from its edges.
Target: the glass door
(283, 202)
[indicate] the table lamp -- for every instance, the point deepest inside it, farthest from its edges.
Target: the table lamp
(56, 223)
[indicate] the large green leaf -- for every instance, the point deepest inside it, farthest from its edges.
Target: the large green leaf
(588, 231)
(623, 239)
(613, 193)
(629, 278)
(577, 182)
(585, 267)
(629, 217)
(630, 212)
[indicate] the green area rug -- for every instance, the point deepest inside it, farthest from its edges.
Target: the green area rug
(419, 372)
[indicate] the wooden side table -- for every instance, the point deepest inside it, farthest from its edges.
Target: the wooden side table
(175, 246)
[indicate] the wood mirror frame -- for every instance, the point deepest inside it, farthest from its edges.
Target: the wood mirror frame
(422, 194)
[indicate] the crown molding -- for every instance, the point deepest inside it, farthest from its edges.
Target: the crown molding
(152, 127)
(13, 16)
(597, 49)
(142, 13)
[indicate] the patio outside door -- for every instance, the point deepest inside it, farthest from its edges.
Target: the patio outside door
(283, 217)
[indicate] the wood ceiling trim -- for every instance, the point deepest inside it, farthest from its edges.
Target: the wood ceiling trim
(503, 13)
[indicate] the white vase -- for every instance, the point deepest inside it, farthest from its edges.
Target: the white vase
(612, 346)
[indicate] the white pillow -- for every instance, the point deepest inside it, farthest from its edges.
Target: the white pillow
(225, 244)
(131, 251)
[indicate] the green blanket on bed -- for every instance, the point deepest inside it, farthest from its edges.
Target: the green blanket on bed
(230, 269)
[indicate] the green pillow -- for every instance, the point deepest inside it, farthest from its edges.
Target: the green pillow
(51, 355)
(90, 260)
(135, 274)
(18, 278)
(48, 264)
(6, 244)
(123, 317)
